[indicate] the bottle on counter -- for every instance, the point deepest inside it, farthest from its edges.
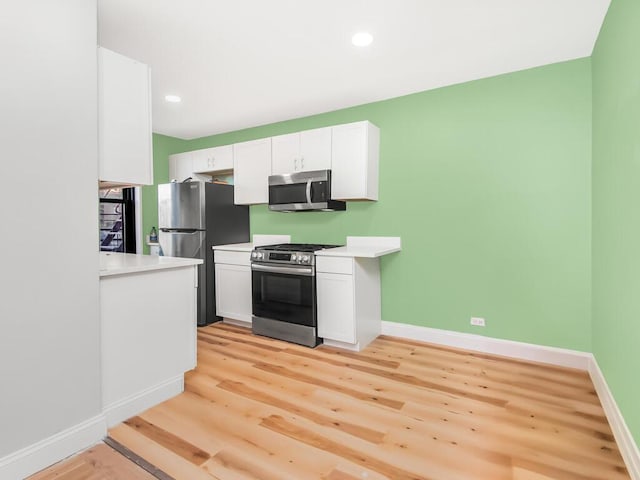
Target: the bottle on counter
(153, 235)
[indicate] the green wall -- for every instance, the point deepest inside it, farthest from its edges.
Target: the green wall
(488, 184)
(616, 206)
(163, 146)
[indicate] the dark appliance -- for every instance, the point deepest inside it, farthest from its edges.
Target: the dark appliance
(284, 292)
(302, 191)
(192, 217)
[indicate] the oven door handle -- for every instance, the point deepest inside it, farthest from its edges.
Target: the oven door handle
(308, 191)
(307, 272)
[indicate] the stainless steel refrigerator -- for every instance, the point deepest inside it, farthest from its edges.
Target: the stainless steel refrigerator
(192, 217)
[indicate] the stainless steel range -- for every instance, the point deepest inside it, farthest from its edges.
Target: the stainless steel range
(284, 292)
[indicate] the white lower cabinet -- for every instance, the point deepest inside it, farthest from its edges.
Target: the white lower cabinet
(233, 285)
(336, 310)
(349, 310)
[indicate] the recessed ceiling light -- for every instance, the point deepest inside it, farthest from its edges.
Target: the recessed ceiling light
(361, 39)
(173, 98)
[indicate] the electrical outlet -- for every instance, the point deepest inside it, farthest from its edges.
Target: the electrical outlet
(477, 321)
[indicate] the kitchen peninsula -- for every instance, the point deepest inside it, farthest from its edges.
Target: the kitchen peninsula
(148, 317)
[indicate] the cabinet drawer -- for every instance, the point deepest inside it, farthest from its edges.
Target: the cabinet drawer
(335, 265)
(232, 258)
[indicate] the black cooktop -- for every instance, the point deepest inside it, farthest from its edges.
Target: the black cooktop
(296, 247)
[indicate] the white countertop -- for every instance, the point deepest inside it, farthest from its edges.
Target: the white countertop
(367, 247)
(235, 247)
(258, 240)
(125, 263)
(369, 251)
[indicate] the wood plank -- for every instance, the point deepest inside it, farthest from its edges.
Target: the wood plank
(99, 462)
(266, 409)
(174, 443)
(279, 424)
(158, 455)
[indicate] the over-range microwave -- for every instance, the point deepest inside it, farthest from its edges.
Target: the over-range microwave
(302, 191)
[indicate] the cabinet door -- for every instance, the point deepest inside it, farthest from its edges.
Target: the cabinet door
(180, 166)
(251, 170)
(336, 307)
(285, 154)
(354, 161)
(124, 120)
(233, 291)
(213, 159)
(315, 149)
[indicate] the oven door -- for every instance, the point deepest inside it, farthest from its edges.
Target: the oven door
(284, 293)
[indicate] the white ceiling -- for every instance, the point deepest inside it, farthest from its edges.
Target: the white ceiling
(243, 63)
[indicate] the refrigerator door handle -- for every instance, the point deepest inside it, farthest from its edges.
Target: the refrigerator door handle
(186, 231)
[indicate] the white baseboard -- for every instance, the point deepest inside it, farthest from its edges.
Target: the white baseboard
(40, 455)
(238, 323)
(141, 401)
(355, 347)
(496, 346)
(624, 439)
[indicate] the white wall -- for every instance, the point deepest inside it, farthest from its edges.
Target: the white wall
(49, 317)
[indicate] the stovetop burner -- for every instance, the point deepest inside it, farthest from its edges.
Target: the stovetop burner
(296, 247)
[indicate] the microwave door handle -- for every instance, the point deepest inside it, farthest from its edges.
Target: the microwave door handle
(308, 191)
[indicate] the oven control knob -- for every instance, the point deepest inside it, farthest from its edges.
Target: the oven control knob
(305, 259)
(294, 257)
(254, 254)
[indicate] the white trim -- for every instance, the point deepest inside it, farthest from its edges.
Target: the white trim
(624, 439)
(48, 451)
(141, 401)
(238, 322)
(496, 346)
(355, 347)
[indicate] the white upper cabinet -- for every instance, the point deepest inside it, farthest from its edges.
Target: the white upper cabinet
(211, 160)
(180, 166)
(251, 170)
(124, 123)
(354, 161)
(301, 151)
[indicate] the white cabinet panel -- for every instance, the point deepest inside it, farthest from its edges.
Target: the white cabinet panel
(232, 258)
(285, 154)
(124, 126)
(301, 151)
(180, 166)
(148, 336)
(354, 161)
(210, 160)
(336, 307)
(349, 313)
(335, 265)
(315, 149)
(233, 291)
(251, 170)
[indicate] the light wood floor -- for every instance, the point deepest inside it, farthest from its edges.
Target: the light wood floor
(98, 463)
(257, 408)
